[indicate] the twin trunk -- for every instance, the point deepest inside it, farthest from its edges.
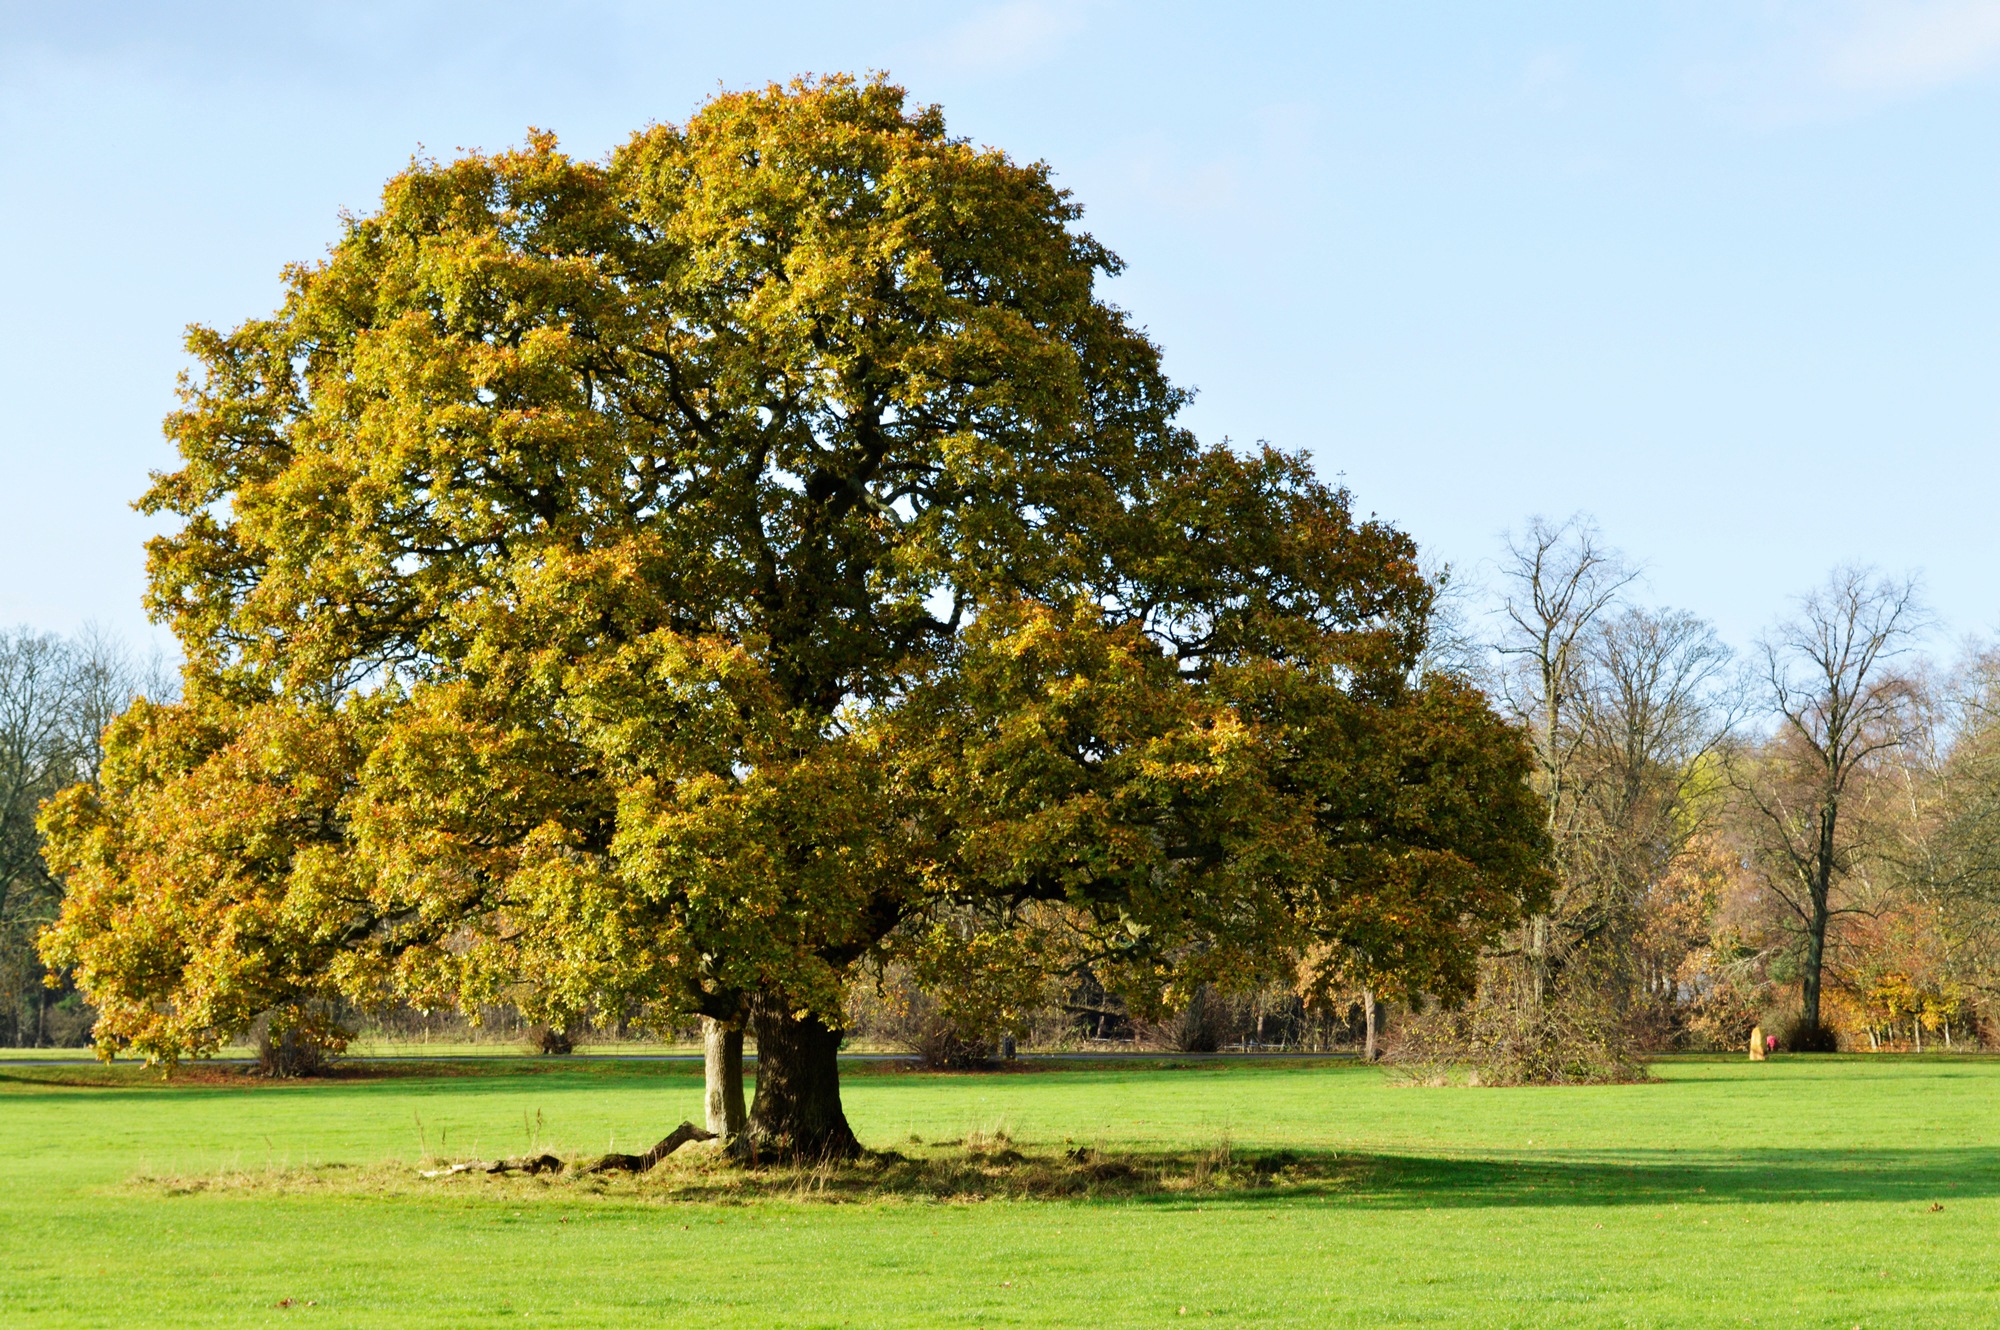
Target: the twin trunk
(722, 1072)
(796, 1114)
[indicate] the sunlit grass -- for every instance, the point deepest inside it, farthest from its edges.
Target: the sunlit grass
(1828, 1192)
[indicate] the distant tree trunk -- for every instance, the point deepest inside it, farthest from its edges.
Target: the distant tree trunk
(1843, 714)
(1819, 909)
(1809, 980)
(722, 1072)
(1368, 1019)
(796, 1113)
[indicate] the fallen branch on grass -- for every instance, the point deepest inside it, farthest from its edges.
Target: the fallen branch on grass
(680, 1136)
(532, 1164)
(611, 1163)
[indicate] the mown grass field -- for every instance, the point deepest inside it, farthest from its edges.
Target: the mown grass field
(1802, 1192)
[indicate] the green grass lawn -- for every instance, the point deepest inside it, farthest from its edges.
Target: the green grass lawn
(1795, 1193)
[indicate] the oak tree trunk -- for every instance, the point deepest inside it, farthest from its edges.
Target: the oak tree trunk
(1819, 897)
(722, 1072)
(1368, 1017)
(796, 1114)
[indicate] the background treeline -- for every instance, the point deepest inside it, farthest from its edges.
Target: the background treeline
(1805, 835)
(56, 696)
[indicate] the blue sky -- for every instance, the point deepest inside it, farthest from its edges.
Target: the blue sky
(1724, 275)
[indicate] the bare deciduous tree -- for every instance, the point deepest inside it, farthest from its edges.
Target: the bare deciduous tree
(1561, 579)
(1625, 708)
(56, 697)
(1841, 712)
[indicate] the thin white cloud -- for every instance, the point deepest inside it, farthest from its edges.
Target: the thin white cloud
(1907, 46)
(1008, 36)
(1810, 61)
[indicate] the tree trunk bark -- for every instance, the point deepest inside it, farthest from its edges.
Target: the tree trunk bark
(1809, 981)
(1820, 890)
(796, 1114)
(722, 1072)
(1368, 1017)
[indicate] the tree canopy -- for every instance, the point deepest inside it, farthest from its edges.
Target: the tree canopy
(666, 583)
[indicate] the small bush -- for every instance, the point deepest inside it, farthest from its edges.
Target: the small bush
(551, 1040)
(898, 1012)
(68, 1023)
(1568, 1040)
(1203, 1026)
(297, 1041)
(1720, 1017)
(1803, 1036)
(941, 1045)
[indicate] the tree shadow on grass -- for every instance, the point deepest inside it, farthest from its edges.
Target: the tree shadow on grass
(989, 1170)
(1649, 1178)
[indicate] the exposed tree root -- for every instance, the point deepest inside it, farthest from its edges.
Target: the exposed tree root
(681, 1135)
(611, 1163)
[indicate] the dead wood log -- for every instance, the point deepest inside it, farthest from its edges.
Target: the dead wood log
(531, 1164)
(681, 1135)
(611, 1163)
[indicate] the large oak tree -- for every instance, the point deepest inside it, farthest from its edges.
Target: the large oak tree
(665, 584)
